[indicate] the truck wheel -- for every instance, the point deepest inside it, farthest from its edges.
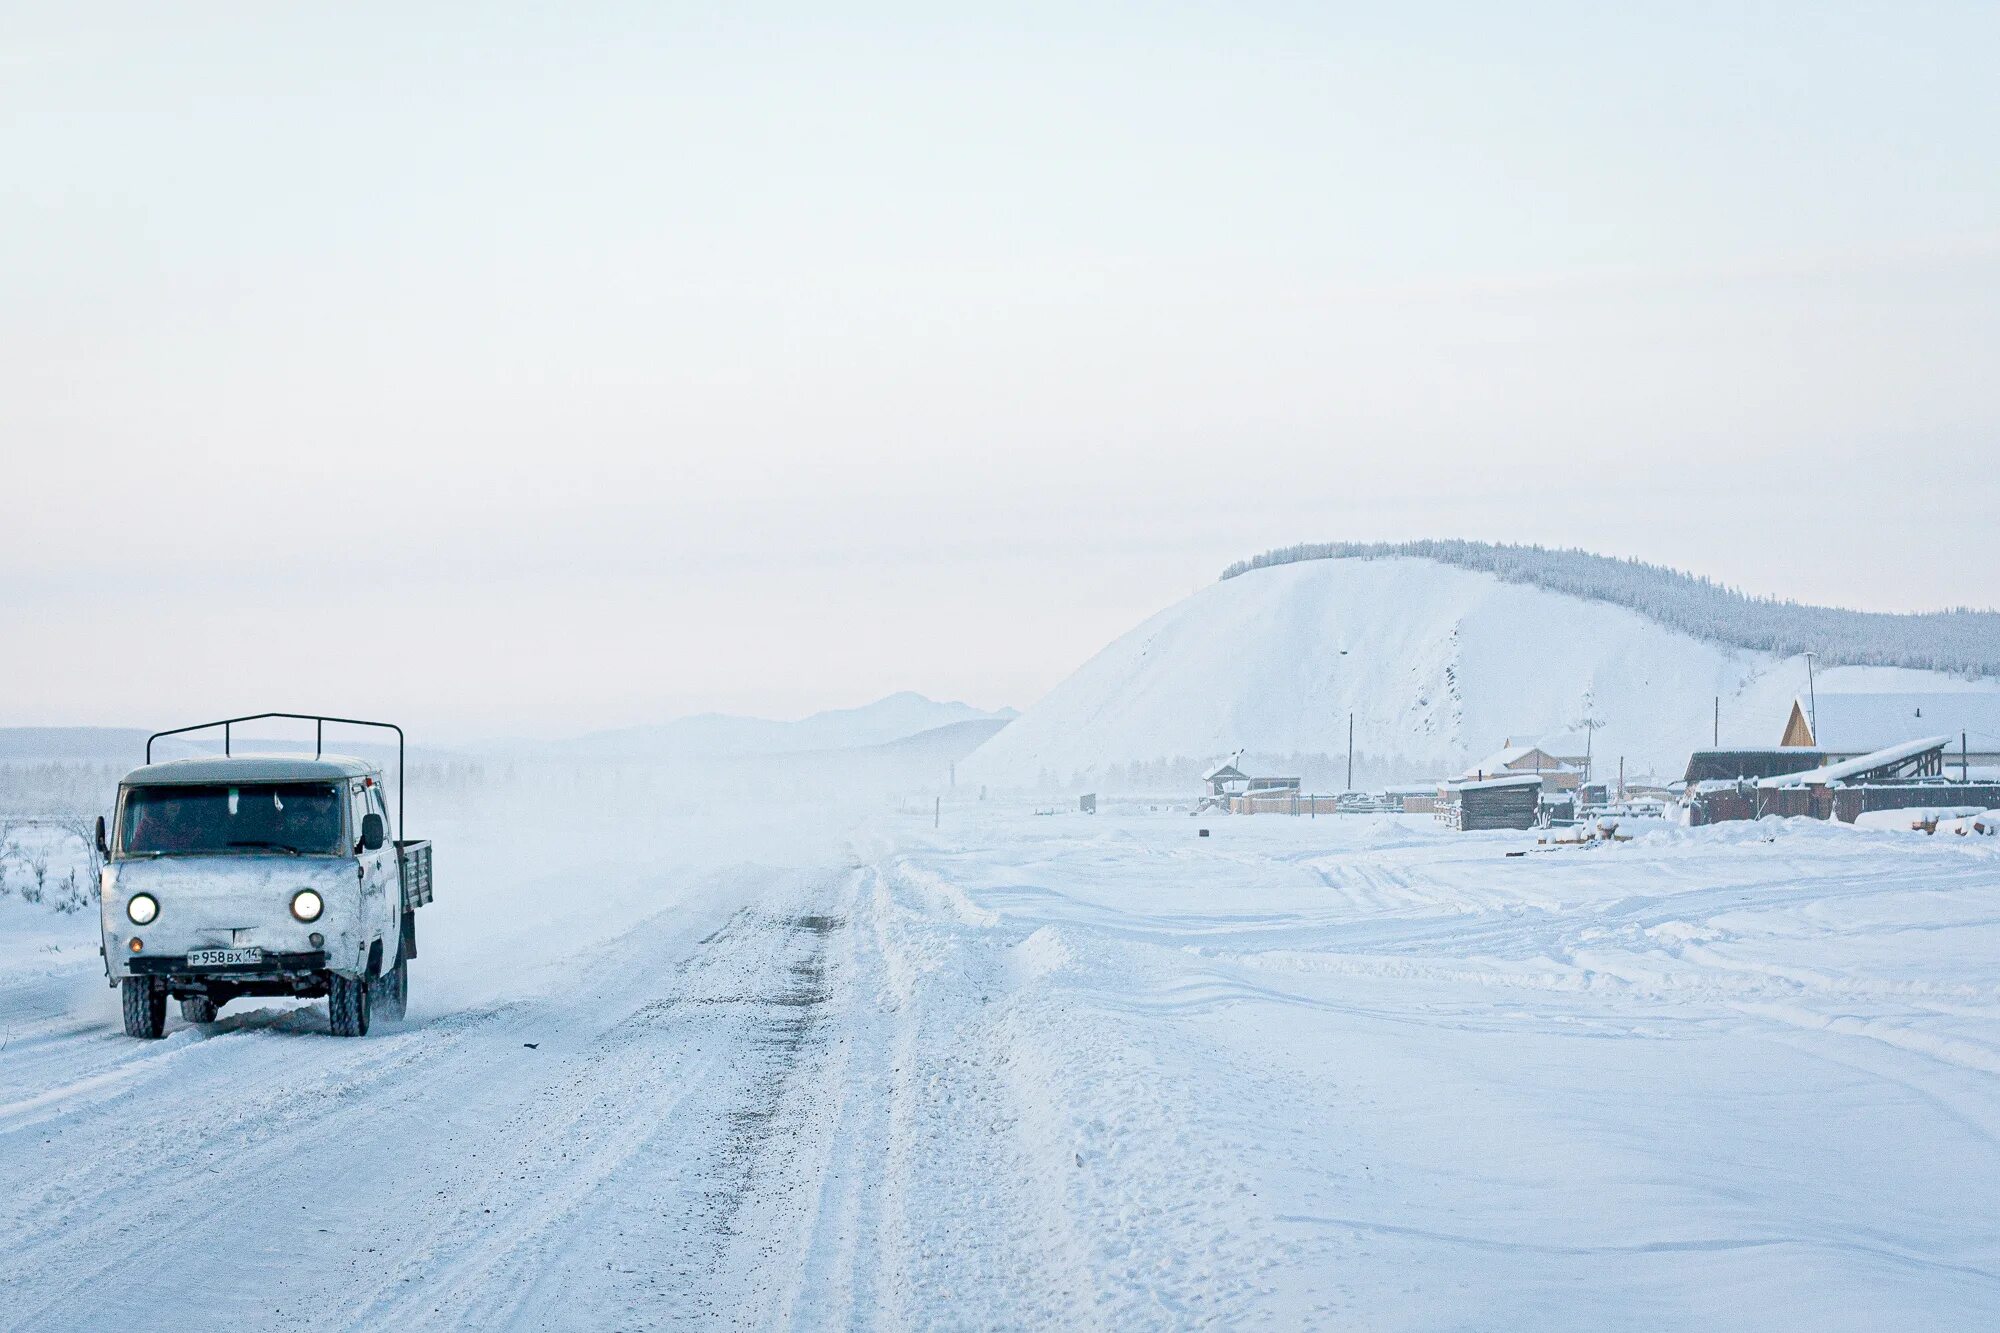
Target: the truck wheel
(199, 1009)
(347, 1005)
(392, 992)
(145, 1007)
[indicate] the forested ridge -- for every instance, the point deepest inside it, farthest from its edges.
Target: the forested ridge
(1958, 639)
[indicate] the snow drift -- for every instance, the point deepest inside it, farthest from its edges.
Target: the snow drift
(1438, 665)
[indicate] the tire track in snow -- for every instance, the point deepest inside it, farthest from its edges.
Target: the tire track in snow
(252, 1162)
(636, 1172)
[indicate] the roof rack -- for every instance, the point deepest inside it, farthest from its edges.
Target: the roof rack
(319, 740)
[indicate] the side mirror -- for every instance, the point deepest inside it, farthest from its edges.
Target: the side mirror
(103, 841)
(371, 832)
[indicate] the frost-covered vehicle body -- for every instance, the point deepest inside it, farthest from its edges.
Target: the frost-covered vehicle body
(233, 875)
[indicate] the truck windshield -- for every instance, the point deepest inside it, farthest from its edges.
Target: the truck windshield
(295, 817)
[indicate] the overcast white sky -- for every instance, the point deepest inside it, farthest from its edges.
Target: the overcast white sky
(530, 368)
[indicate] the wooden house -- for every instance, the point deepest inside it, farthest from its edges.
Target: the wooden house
(1847, 726)
(1555, 774)
(1227, 780)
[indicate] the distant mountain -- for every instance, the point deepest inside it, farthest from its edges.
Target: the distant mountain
(1438, 664)
(948, 743)
(715, 735)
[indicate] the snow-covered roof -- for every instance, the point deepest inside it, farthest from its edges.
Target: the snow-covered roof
(1223, 770)
(1519, 780)
(1502, 760)
(1854, 723)
(206, 769)
(1847, 768)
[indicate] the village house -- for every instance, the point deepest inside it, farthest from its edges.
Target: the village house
(1847, 726)
(1230, 788)
(1909, 775)
(1226, 780)
(1515, 760)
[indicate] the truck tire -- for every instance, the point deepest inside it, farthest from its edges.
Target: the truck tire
(199, 1009)
(347, 1005)
(392, 992)
(145, 1007)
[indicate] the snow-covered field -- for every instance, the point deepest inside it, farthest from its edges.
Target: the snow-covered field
(834, 1068)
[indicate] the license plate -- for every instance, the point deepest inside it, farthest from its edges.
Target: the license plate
(223, 957)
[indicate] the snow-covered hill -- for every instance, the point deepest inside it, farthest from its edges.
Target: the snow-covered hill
(889, 719)
(1439, 666)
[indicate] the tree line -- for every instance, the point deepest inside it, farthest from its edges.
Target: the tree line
(1959, 640)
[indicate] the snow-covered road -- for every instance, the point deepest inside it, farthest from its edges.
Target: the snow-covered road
(810, 1071)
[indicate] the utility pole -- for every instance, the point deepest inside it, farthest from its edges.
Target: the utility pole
(1812, 700)
(1350, 752)
(937, 811)
(1590, 726)
(1717, 742)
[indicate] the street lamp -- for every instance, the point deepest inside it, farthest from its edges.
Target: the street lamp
(1812, 698)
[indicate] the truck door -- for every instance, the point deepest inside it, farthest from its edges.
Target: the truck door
(392, 938)
(379, 884)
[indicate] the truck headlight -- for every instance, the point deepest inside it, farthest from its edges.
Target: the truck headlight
(142, 909)
(306, 905)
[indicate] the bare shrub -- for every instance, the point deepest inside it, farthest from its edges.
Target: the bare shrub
(38, 871)
(76, 895)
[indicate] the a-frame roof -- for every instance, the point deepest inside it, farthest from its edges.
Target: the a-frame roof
(1798, 728)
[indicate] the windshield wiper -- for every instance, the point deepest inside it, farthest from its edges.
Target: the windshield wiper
(272, 846)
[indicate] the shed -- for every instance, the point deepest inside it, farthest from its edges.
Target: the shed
(1493, 803)
(1744, 765)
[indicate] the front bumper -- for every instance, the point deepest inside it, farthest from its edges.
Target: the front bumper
(273, 965)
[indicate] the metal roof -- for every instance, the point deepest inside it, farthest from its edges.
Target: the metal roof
(1863, 723)
(1894, 754)
(209, 769)
(1732, 764)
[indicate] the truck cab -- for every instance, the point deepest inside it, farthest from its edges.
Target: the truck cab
(252, 875)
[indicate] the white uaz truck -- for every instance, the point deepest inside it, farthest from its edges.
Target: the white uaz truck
(231, 875)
